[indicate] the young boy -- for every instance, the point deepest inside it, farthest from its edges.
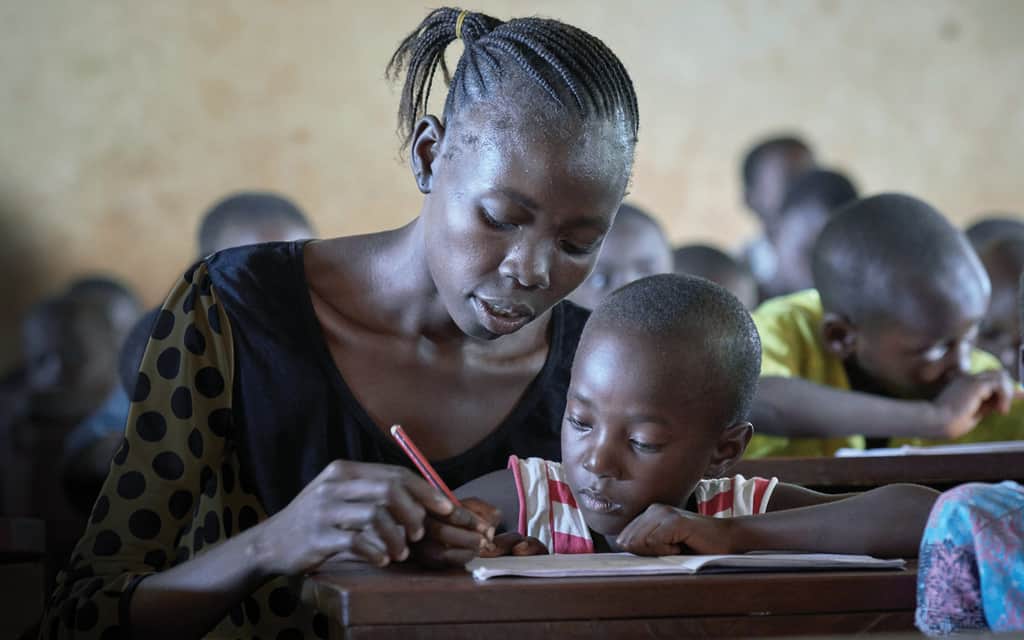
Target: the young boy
(635, 247)
(656, 416)
(719, 267)
(992, 226)
(884, 347)
(808, 206)
(1000, 330)
(768, 171)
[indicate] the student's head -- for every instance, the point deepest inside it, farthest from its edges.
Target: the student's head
(808, 205)
(120, 303)
(991, 227)
(634, 248)
(719, 267)
(1000, 330)
(524, 171)
(661, 388)
(251, 217)
(769, 169)
(903, 294)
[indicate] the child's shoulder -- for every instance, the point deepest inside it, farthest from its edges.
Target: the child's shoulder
(735, 495)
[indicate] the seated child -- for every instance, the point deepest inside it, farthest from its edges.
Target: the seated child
(656, 416)
(809, 204)
(719, 267)
(1000, 330)
(992, 226)
(972, 561)
(884, 347)
(634, 247)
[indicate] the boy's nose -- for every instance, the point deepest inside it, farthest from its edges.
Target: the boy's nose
(600, 461)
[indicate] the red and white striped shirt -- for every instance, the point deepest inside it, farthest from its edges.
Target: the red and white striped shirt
(548, 509)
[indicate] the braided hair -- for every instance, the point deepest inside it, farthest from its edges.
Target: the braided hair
(570, 67)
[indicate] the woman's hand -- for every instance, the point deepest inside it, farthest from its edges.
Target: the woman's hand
(460, 536)
(662, 530)
(357, 511)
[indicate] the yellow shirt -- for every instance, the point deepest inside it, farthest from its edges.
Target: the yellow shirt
(790, 329)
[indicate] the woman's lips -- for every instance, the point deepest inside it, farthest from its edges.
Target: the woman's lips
(502, 317)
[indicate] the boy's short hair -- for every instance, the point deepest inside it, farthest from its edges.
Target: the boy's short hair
(246, 209)
(765, 148)
(102, 287)
(696, 316)
(992, 227)
(879, 256)
(708, 262)
(632, 213)
(829, 188)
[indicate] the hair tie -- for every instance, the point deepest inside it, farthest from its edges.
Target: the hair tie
(458, 24)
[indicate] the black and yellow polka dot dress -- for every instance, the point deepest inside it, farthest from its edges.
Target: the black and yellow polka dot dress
(238, 405)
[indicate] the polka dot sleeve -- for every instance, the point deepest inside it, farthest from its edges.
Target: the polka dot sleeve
(174, 439)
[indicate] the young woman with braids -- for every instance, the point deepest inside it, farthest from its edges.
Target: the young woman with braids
(256, 447)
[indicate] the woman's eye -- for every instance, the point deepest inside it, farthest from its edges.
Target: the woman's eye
(493, 222)
(644, 447)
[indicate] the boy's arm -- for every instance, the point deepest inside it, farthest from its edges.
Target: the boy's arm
(797, 407)
(886, 522)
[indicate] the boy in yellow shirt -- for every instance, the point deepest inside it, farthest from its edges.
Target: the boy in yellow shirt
(884, 346)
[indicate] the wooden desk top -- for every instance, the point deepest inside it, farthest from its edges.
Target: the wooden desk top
(939, 471)
(356, 595)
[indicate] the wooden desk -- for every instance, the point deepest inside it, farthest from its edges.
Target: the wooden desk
(941, 472)
(364, 603)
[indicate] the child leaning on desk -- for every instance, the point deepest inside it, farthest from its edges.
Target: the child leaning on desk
(656, 416)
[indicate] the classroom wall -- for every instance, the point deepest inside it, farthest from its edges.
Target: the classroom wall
(122, 120)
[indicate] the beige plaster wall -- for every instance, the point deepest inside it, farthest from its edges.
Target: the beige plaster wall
(123, 119)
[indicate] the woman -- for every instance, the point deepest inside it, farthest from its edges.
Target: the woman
(258, 420)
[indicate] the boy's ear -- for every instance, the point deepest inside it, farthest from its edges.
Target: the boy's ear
(729, 449)
(839, 335)
(425, 147)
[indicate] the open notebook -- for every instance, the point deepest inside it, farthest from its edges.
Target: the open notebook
(627, 564)
(1014, 446)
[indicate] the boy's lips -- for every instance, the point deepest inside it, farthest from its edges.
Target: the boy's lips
(593, 500)
(502, 316)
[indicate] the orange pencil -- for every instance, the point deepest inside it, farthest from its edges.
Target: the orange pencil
(418, 459)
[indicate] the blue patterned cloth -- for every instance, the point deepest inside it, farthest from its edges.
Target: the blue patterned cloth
(971, 569)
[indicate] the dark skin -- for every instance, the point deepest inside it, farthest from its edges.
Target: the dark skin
(450, 327)
(773, 176)
(1000, 330)
(636, 442)
(909, 376)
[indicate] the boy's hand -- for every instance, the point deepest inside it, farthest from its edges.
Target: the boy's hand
(514, 543)
(662, 530)
(969, 398)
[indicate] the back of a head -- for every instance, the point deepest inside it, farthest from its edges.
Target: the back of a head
(821, 187)
(257, 213)
(708, 262)
(700, 324)
(991, 227)
(893, 255)
(537, 70)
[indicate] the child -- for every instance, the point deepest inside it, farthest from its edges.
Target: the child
(809, 204)
(251, 217)
(635, 247)
(885, 346)
(719, 267)
(656, 416)
(769, 169)
(992, 226)
(1000, 330)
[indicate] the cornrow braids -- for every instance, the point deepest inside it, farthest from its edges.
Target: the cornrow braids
(571, 67)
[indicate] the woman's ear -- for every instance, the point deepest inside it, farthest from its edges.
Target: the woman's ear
(426, 145)
(839, 335)
(729, 449)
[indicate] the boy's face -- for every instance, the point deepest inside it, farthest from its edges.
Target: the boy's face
(635, 431)
(634, 249)
(1000, 330)
(917, 362)
(514, 220)
(773, 176)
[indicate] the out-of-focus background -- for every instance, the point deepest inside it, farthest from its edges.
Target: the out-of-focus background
(123, 121)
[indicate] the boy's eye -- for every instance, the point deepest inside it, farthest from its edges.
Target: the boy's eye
(576, 249)
(598, 280)
(644, 447)
(491, 221)
(577, 424)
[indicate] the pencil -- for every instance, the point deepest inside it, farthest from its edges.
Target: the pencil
(418, 459)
